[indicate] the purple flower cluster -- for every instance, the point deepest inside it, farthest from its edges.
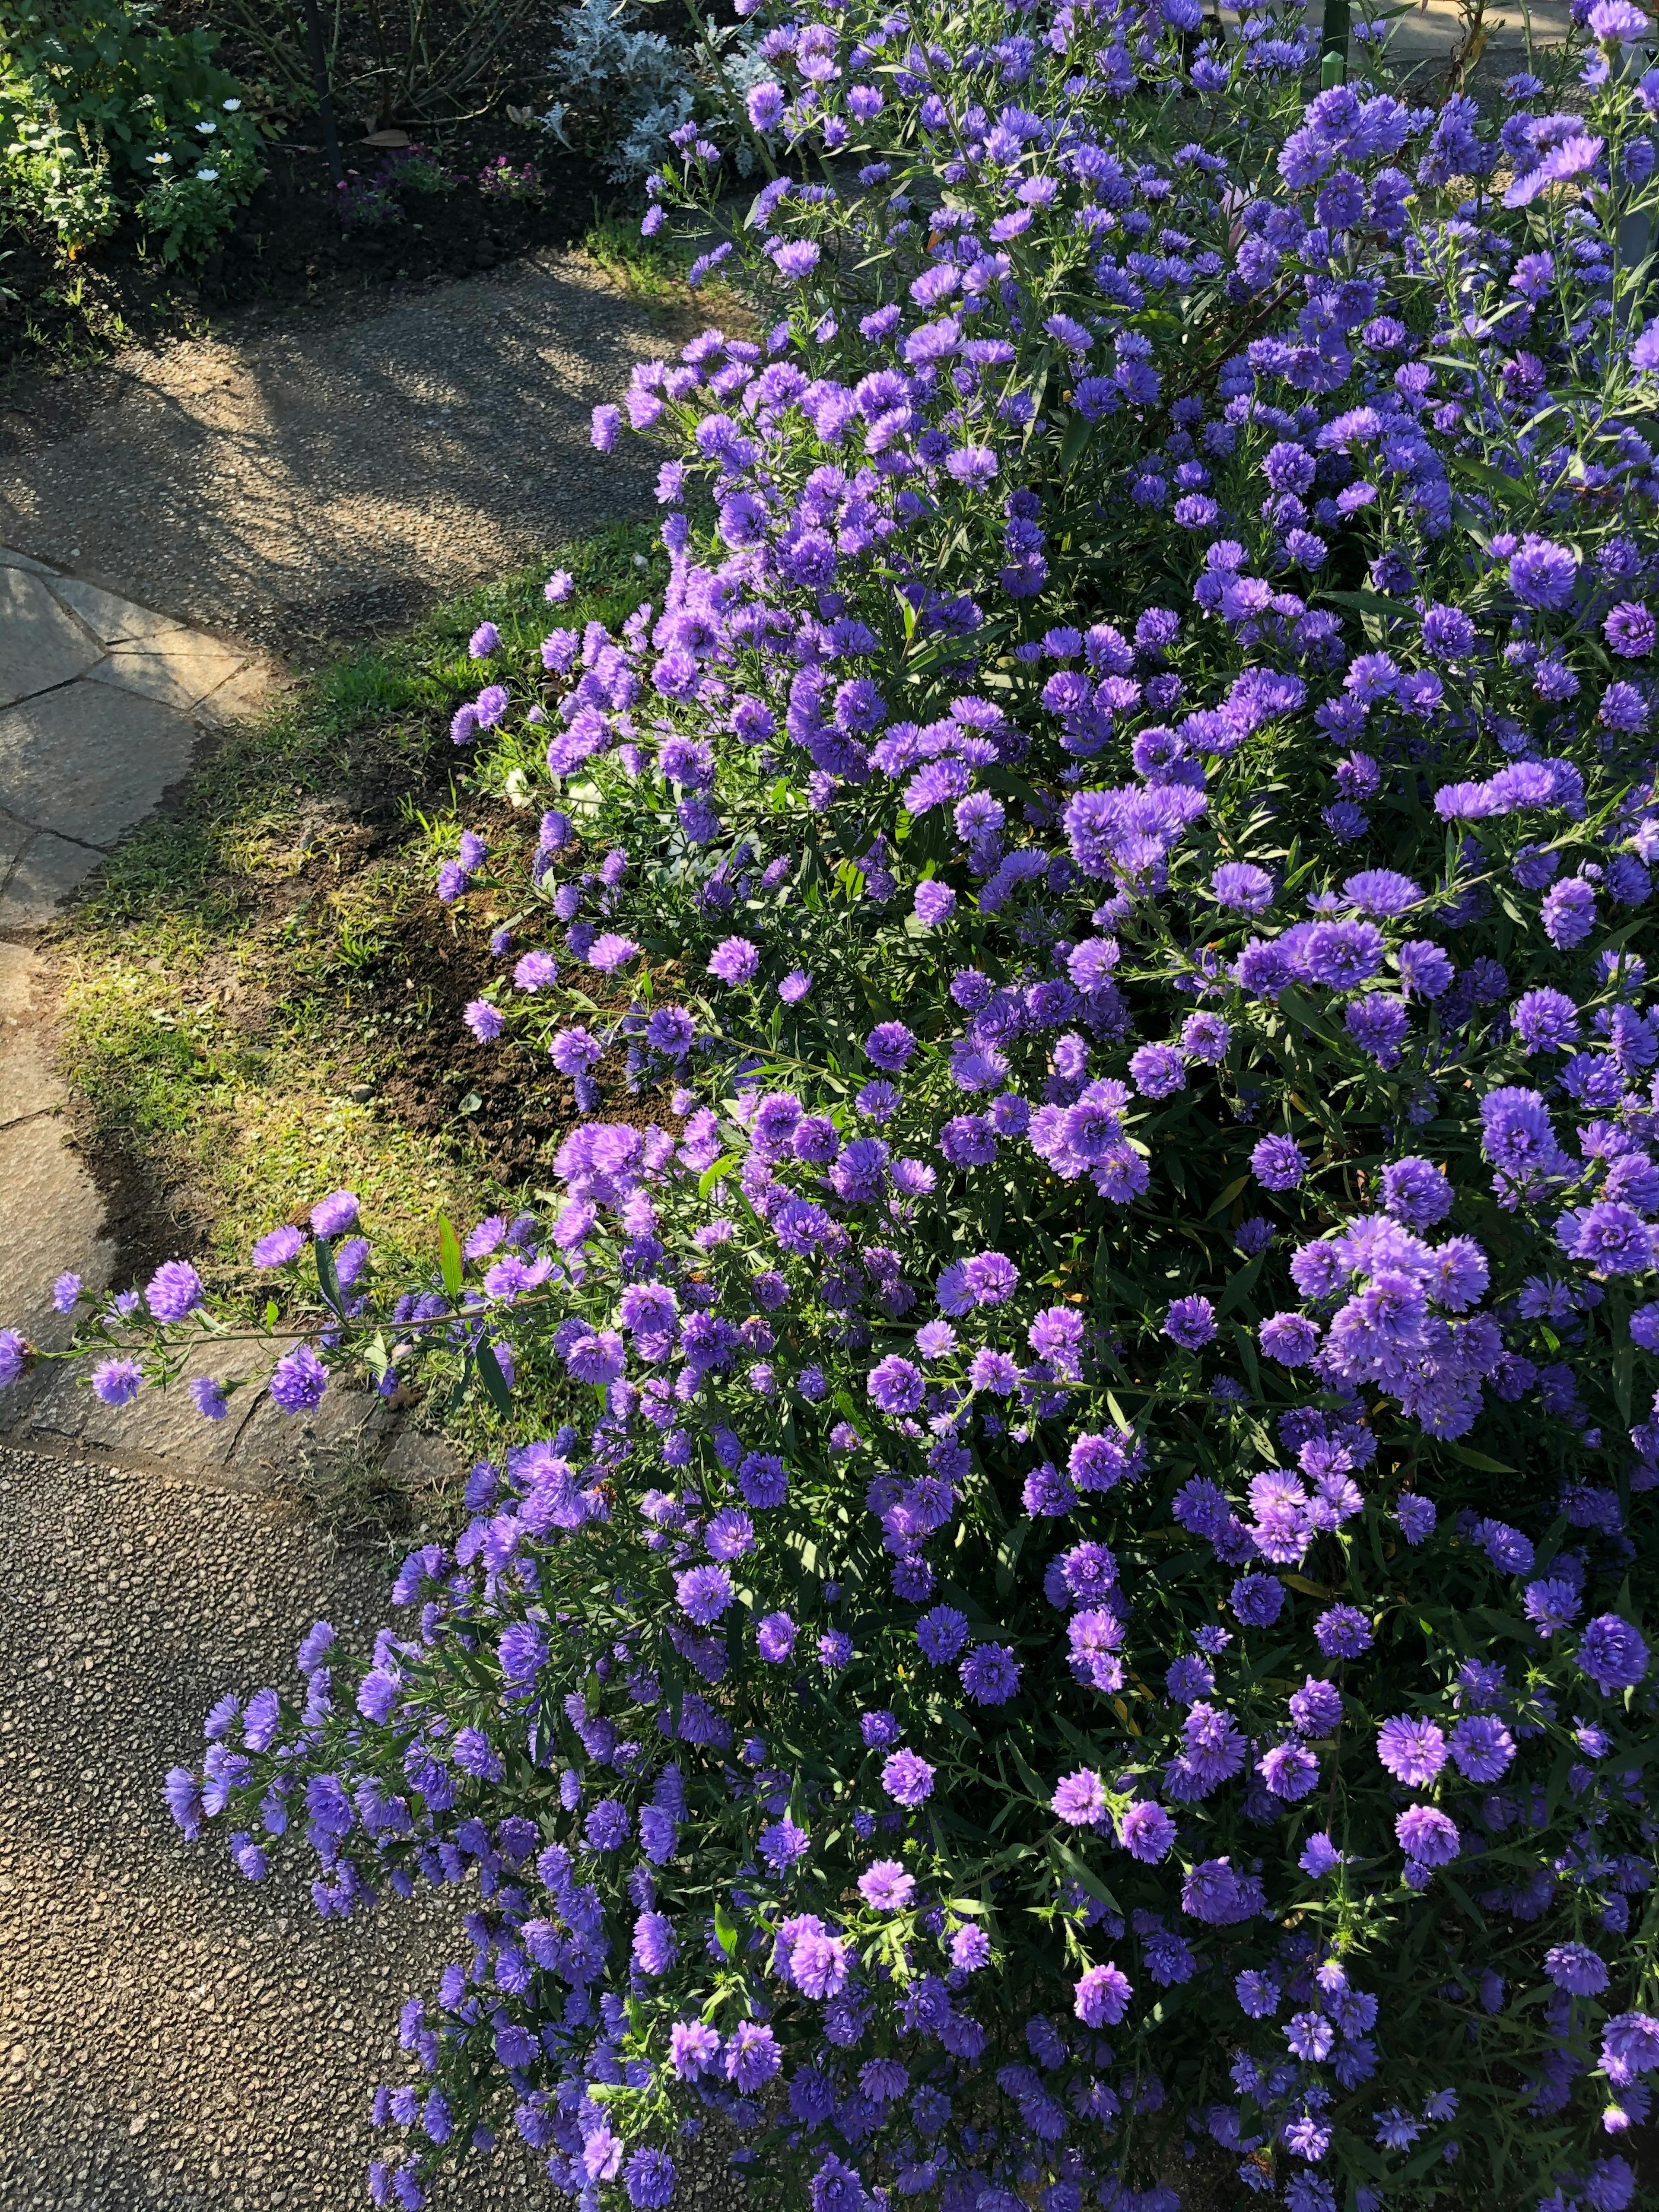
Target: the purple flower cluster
(1088, 1426)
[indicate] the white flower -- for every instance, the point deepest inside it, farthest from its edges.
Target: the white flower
(208, 176)
(231, 106)
(159, 159)
(208, 128)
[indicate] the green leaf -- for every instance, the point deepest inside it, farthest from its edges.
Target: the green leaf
(1479, 1460)
(1008, 1552)
(327, 1279)
(1227, 1196)
(1490, 479)
(273, 1313)
(490, 1375)
(1240, 1285)
(1025, 1774)
(722, 1168)
(726, 1930)
(1367, 603)
(450, 1264)
(1072, 445)
(1081, 1875)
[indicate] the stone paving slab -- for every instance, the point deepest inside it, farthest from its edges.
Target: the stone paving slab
(86, 762)
(42, 643)
(102, 705)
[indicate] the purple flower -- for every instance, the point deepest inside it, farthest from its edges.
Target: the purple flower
(1481, 1747)
(775, 1637)
(1081, 1799)
(483, 1019)
(1427, 1836)
(1102, 1996)
(765, 104)
(885, 1887)
(1413, 1751)
(1244, 889)
(649, 2177)
(990, 1674)
(970, 1948)
(299, 1380)
(752, 2056)
(941, 1634)
(1310, 2036)
(1612, 1655)
(1630, 2040)
(1576, 1969)
(334, 1214)
(175, 1290)
(987, 1279)
(116, 1382)
(1319, 1857)
(1290, 1771)
(1629, 629)
(1259, 1995)
(1342, 1632)
(1563, 162)
(1381, 891)
(1277, 1163)
(1220, 1897)
(733, 962)
(209, 1397)
(1146, 1832)
(693, 2048)
(1552, 1604)
(1257, 1599)
(935, 903)
(971, 464)
(783, 1844)
(608, 1827)
(1542, 575)
(1616, 22)
(1290, 1339)
(1190, 1323)
(1157, 1071)
(1569, 912)
(607, 421)
(65, 1292)
(908, 1779)
(704, 1594)
(889, 1046)
(894, 1386)
(278, 1246)
(794, 987)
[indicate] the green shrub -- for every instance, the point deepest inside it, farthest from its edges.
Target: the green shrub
(103, 113)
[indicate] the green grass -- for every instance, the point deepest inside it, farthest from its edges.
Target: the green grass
(223, 984)
(652, 269)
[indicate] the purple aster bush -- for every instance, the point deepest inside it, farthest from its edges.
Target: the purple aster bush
(981, 1647)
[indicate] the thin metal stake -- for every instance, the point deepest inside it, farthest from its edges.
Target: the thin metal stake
(326, 98)
(1333, 41)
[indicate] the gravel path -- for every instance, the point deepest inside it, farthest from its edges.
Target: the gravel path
(302, 485)
(171, 2037)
